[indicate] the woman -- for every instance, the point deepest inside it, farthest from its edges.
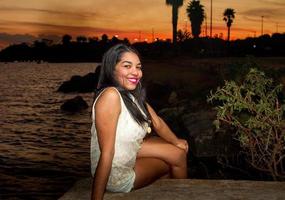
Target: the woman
(122, 158)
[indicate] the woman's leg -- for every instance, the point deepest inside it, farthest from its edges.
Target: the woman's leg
(158, 158)
(176, 158)
(148, 170)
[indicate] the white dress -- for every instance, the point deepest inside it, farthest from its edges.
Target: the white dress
(129, 137)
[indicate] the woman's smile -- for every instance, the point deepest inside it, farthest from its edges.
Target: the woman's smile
(134, 80)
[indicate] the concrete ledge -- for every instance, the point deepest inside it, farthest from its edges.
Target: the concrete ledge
(171, 189)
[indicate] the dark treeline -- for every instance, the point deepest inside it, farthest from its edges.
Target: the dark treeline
(91, 49)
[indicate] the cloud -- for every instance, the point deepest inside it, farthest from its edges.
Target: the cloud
(7, 39)
(62, 29)
(17, 38)
(274, 2)
(82, 15)
(266, 12)
(52, 32)
(234, 28)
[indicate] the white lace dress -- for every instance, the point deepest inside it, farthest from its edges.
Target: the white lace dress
(129, 137)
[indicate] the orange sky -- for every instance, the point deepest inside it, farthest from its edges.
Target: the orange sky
(25, 20)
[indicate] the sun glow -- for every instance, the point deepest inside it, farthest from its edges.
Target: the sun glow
(141, 21)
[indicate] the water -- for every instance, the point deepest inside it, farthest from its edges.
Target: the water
(43, 150)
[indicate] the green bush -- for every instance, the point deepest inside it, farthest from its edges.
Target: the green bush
(255, 112)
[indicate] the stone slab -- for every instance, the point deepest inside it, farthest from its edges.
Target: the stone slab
(185, 189)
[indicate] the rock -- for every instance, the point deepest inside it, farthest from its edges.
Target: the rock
(74, 105)
(159, 95)
(184, 189)
(173, 98)
(197, 128)
(81, 84)
(173, 118)
(198, 122)
(205, 140)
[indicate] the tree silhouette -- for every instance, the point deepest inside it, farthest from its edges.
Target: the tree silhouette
(182, 35)
(104, 38)
(229, 15)
(196, 15)
(66, 39)
(175, 6)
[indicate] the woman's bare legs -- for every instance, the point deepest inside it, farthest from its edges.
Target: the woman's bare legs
(148, 170)
(158, 158)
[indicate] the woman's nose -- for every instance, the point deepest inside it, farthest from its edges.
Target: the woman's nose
(135, 71)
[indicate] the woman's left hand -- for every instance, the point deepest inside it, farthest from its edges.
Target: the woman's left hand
(182, 144)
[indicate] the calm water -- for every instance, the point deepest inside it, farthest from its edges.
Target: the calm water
(43, 150)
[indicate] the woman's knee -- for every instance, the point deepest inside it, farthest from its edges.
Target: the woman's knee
(180, 157)
(158, 148)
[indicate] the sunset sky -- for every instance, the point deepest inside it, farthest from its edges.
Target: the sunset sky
(25, 20)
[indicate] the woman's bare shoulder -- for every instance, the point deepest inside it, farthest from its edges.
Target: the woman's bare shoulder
(110, 97)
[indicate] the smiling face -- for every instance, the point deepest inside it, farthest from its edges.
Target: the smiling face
(128, 71)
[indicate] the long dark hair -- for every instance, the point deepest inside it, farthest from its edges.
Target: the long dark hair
(107, 79)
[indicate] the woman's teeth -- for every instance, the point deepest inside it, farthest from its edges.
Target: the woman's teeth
(133, 80)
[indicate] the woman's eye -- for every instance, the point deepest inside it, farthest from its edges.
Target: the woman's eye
(127, 66)
(139, 67)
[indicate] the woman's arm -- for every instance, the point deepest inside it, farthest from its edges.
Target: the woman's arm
(162, 129)
(107, 110)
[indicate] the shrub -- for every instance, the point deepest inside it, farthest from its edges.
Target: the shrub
(254, 110)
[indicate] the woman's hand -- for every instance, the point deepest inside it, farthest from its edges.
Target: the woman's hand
(182, 144)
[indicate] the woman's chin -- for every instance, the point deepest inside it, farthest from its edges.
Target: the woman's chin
(131, 87)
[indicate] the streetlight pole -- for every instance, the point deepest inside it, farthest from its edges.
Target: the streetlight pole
(152, 35)
(206, 26)
(262, 25)
(211, 19)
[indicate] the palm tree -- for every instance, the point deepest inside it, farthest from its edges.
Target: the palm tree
(182, 35)
(196, 15)
(229, 15)
(175, 5)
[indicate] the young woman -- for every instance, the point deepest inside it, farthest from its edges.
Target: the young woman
(122, 157)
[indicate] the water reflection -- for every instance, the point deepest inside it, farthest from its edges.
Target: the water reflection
(42, 149)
